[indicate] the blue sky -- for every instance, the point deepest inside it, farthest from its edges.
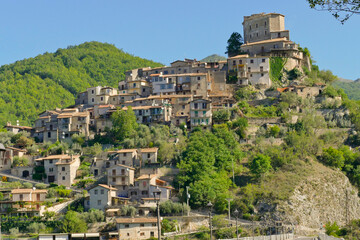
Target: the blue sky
(167, 30)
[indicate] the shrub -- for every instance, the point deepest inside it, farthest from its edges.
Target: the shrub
(20, 162)
(36, 227)
(41, 186)
(27, 185)
(333, 157)
(14, 231)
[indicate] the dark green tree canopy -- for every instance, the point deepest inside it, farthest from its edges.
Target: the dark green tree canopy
(234, 43)
(340, 9)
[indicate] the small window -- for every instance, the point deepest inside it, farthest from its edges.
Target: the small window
(262, 74)
(249, 69)
(263, 60)
(92, 91)
(101, 98)
(142, 234)
(63, 169)
(148, 155)
(198, 78)
(63, 178)
(102, 191)
(126, 225)
(50, 161)
(252, 61)
(256, 25)
(261, 69)
(124, 154)
(99, 202)
(142, 225)
(114, 179)
(265, 23)
(96, 192)
(250, 75)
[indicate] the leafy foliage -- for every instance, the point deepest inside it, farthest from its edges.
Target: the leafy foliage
(340, 9)
(73, 223)
(276, 67)
(51, 80)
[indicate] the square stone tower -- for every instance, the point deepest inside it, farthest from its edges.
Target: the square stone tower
(264, 26)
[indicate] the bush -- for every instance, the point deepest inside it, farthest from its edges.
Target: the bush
(221, 116)
(27, 185)
(169, 208)
(333, 157)
(41, 186)
(14, 231)
(274, 131)
(36, 227)
(20, 162)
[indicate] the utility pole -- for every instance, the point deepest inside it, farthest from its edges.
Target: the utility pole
(187, 200)
(229, 199)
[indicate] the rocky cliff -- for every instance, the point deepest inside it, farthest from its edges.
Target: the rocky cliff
(326, 195)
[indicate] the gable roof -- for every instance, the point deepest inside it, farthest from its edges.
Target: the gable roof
(27, 190)
(106, 186)
(136, 220)
(148, 150)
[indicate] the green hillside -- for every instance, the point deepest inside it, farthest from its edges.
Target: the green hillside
(351, 88)
(213, 58)
(50, 80)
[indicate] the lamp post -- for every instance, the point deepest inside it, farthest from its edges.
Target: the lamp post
(237, 215)
(209, 205)
(157, 193)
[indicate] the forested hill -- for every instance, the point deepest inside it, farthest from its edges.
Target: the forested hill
(351, 88)
(50, 80)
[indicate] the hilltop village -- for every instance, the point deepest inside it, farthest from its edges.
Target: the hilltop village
(127, 184)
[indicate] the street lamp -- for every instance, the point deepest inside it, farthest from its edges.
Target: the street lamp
(157, 193)
(209, 205)
(237, 215)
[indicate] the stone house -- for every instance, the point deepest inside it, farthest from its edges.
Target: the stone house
(28, 195)
(265, 35)
(60, 169)
(66, 170)
(61, 124)
(100, 197)
(17, 128)
(145, 185)
(121, 177)
(250, 70)
(200, 113)
(152, 114)
(6, 158)
(137, 228)
(148, 155)
(127, 157)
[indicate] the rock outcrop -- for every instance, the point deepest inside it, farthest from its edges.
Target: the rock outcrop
(325, 196)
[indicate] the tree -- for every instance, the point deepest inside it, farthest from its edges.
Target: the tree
(221, 116)
(124, 123)
(72, 223)
(342, 10)
(234, 43)
(260, 165)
